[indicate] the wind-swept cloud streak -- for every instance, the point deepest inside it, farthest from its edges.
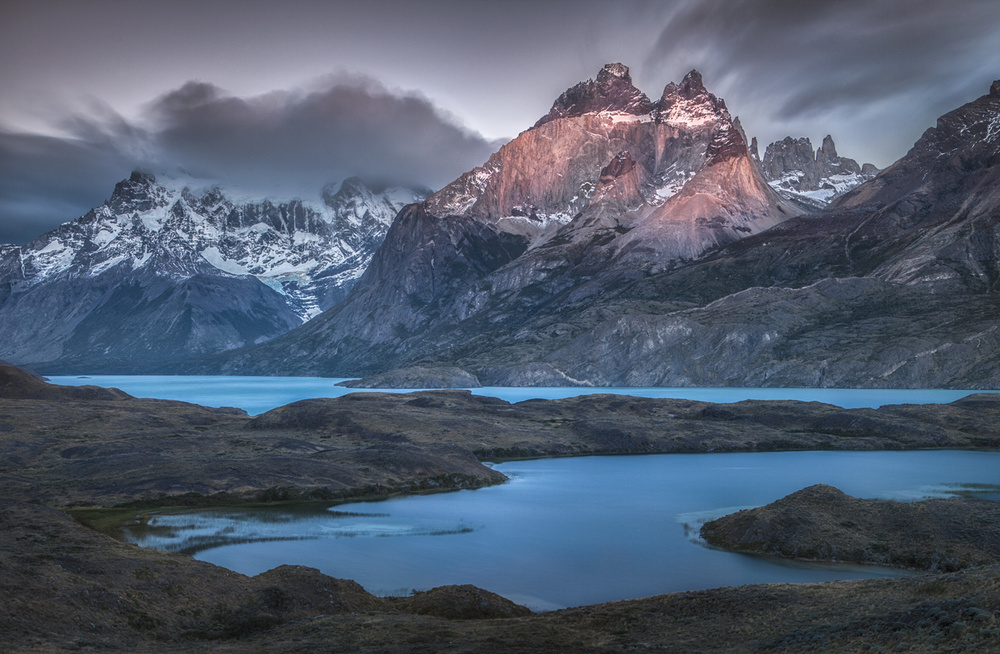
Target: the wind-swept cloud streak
(282, 144)
(789, 64)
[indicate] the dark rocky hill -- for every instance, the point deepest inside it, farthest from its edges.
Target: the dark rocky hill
(822, 523)
(19, 384)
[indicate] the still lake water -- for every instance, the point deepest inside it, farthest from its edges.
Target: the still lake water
(562, 532)
(566, 532)
(259, 394)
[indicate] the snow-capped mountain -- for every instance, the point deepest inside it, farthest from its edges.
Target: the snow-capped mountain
(290, 261)
(607, 185)
(813, 178)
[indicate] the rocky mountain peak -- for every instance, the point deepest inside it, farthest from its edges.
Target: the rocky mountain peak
(610, 71)
(550, 172)
(692, 85)
(995, 89)
(787, 155)
(689, 103)
(335, 195)
(211, 197)
(138, 193)
(814, 178)
(827, 151)
(690, 88)
(611, 91)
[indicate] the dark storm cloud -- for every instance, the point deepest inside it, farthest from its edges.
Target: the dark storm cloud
(45, 181)
(283, 143)
(299, 141)
(788, 61)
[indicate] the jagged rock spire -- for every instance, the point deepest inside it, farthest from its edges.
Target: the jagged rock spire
(827, 152)
(134, 194)
(611, 91)
(613, 70)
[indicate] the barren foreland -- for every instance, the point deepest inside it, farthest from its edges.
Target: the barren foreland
(77, 461)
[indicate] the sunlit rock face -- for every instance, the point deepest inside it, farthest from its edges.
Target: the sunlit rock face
(894, 286)
(608, 182)
(544, 179)
(164, 270)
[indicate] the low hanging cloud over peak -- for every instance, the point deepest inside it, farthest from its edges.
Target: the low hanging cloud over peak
(299, 140)
(280, 144)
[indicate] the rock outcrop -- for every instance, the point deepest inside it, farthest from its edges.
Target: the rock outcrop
(19, 384)
(823, 523)
(813, 178)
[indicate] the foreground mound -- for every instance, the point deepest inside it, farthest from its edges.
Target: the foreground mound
(67, 587)
(823, 523)
(19, 384)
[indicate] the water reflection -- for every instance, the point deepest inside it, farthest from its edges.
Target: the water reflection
(193, 532)
(259, 394)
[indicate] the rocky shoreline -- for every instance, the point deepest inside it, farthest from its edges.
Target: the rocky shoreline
(67, 587)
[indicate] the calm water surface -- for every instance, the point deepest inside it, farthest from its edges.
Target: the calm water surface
(566, 532)
(259, 394)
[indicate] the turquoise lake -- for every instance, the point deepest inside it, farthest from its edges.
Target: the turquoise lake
(567, 532)
(561, 532)
(259, 394)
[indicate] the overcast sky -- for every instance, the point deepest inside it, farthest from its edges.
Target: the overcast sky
(280, 98)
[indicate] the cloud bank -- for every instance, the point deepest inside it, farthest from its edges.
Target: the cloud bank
(282, 144)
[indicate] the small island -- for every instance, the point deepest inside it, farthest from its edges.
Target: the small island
(821, 523)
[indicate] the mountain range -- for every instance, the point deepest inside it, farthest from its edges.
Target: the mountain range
(629, 242)
(161, 271)
(634, 241)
